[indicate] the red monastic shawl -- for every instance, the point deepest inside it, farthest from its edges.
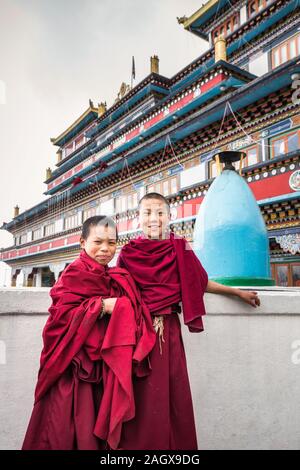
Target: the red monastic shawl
(120, 342)
(167, 271)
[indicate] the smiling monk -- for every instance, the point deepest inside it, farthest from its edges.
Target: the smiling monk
(168, 273)
(97, 338)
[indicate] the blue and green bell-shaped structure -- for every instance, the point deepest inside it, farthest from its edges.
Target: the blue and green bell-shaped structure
(230, 235)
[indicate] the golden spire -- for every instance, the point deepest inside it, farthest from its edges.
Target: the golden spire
(220, 49)
(102, 107)
(59, 155)
(154, 64)
(181, 19)
(16, 211)
(48, 173)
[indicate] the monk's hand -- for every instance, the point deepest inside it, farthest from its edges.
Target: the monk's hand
(109, 304)
(250, 297)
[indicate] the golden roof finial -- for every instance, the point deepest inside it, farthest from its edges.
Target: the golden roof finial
(181, 19)
(220, 48)
(16, 211)
(154, 64)
(48, 173)
(122, 92)
(102, 107)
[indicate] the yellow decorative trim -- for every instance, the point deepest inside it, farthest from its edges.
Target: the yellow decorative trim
(295, 223)
(54, 140)
(195, 16)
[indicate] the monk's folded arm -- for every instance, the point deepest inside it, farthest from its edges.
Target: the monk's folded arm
(216, 288)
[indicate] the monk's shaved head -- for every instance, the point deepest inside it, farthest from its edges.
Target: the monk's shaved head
(97, 220)
(155, 196)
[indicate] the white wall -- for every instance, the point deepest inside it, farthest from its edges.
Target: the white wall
(243, 14)
(192, 175)
(244, 368)
(258, 65)
(5, 275)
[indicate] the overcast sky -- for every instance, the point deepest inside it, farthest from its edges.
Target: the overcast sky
(54, 56)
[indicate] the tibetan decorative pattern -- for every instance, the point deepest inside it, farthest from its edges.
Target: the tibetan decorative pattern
(294, 181)
(289, 243)
(149, 123)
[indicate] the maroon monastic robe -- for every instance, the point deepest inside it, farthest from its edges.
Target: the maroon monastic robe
(84, 393)
(166, 272)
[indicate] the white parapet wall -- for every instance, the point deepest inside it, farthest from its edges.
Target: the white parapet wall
(244, 368)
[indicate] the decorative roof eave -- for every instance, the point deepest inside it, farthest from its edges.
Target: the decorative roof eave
(67, 159)
(240, 98)
(182, 82)
(88, 116)
(154, 78)
(38, 208)
(197, 23)
(81, 154)
(238, 77)
(202, 15)
(105, 126)
(178, 133)
(259, 88)
(141, 96)
(196, 73)
(234, 41)
(264, 19)
(137, 168)
(236, 72)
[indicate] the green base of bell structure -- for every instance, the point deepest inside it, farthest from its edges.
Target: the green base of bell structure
(244, 281)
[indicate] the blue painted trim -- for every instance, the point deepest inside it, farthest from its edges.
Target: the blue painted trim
(270, 21)
(209, 14)
(124, 107)
(283, 231)
(214, 113)
(196, 102)
(282, 197)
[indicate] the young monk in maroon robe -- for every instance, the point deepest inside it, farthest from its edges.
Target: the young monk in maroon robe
(167, 272)
(97, 338)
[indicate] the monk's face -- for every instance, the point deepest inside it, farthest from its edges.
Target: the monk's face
(101, 243)
(154, 218)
